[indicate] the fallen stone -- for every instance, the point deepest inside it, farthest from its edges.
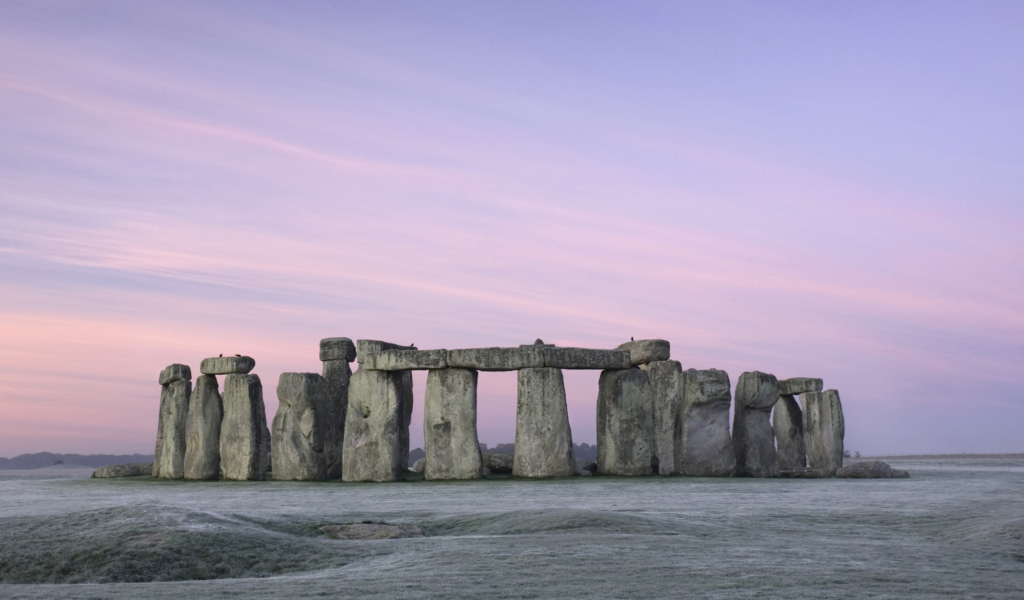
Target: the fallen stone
(706, 448)
(169, 455)
(586, 467)
(227, 365)
(788, 425)
(543, 436)
(449, 425)
(337, 348)
(666, 378)
(202, 430)
(804, 473)
(336, 374)
(370, 531)
(496, 359)
(365, 348)
(647, 351)
(585, 358)
(297, 435)
(752, 435)
(497, 462)
(175, 372)
(244, 437)
(872, 469)
(125, 470)
(625, 423)
(373, 448)
(418, 466)
(824, 430)
(402, 360)
(799, 385)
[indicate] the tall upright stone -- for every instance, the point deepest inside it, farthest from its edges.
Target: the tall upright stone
(406, 399)
(667, 385)
(373, 441)
(787, 422)
(543, 437)
(625, 423)
(202, 430)
(706, 448)
(449, 425)
(336, 354)
(297, 435)
(824, 429)
(752, 435)
(244, 436)
(175, 391)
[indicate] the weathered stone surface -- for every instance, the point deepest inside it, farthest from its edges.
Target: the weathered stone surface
(823, 430)
(125, 470)
(585, 358)
(449, 425)
(365, 348)
(800, 385)
(403, 360)
(370, 531)
(752, 435)
(403, 432)
(788, 424)
(805, 473)
(337, 348)
(647, 351)
(496, 462)
(543, 437)
(666, 378)
(496, 359)
(297, 446)
(706, 444)
(169, 456)
(227, 365)
(419, 465)
(586, 468)
(202, 430)
(625, 423)
(244, 437)
(175, 372)
(337, 374)
(373, 448)
(872, 469)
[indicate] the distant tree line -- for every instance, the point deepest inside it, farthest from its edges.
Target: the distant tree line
(48, 459)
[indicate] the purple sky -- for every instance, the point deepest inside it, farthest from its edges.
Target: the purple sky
(807, 189)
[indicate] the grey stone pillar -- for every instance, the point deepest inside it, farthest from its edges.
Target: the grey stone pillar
(297, 446)
(244, 437)
(625, 423)
(752, 434)
(336, 354)
(824, 430)
(202, 430)
(543, 436)
(175, 390)
(406, 398)
(787, 422)
(706, 444)
(373, 447)
(449, 425)
(667, 385)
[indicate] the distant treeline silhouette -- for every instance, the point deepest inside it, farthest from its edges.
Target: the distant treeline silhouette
(48, 459)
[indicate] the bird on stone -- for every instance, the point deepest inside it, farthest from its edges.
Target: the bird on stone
(631, 339)
(239, 355)
(221, 355)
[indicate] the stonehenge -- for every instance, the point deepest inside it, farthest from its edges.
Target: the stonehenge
(653, 417)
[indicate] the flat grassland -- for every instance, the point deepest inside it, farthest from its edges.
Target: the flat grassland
(955, 529)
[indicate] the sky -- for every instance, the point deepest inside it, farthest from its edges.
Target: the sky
(809, 189)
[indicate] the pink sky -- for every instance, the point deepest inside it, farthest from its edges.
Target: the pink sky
(798, 190)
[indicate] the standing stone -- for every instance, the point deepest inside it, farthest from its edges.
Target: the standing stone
(297, 446)
(169, 455)
(202, 430)
(625, 423)
(244, 437)
(706, 445)
(337, 374)
(406, 389)
(543, 437)
(787, 422)
(373, 448)
(666, 378)
(752, 434)
(449, 425)
(824, 430)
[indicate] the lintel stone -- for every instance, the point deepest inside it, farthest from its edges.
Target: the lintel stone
(227, 365)
(646, 351)
(365, 348)
(585, 358)
(404, 360)
(337, 348)
(800, 385)
(497, 359)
